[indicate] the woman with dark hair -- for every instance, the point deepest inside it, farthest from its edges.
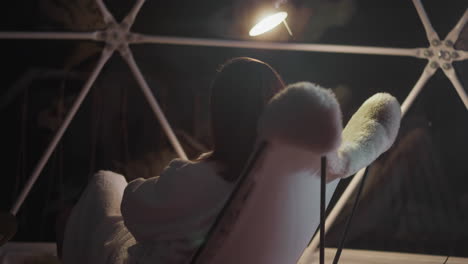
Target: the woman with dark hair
(239, 93)
(164, 219)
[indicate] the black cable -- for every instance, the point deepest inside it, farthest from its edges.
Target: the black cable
(350, 217)
(446, 260)
(323, 178)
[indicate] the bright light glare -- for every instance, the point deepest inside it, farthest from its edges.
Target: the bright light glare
(268, 23)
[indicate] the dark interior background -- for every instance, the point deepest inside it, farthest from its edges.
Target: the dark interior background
(415, 199)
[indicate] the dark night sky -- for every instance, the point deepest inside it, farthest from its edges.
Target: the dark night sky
(423, 205)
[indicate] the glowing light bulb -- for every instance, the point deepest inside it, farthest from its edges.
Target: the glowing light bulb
(268, 23)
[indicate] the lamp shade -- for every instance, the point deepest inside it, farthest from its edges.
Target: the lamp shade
(268, 23)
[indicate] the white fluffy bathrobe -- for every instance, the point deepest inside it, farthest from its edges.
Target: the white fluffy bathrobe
(168, 216)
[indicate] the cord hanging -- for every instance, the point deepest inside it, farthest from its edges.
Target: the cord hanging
(350, 217)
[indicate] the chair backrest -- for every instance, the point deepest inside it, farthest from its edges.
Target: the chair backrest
(273, 215)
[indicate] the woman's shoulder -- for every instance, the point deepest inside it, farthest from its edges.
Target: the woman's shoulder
(187, 172)
(177, 163)
(181, 167)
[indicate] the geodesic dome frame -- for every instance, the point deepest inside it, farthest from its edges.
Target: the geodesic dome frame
(118, 36)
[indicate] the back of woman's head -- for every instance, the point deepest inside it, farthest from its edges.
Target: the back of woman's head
(239, 93)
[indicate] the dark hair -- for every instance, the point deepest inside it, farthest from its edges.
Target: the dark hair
(239, 93)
